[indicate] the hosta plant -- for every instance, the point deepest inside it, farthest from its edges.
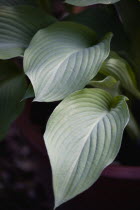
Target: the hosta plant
(85, 61)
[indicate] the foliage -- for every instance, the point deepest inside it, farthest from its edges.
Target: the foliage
(75, 49)
(12, 89)
(75, 61)
(90, 124)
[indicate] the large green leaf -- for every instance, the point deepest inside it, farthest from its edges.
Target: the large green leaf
(83, 136)
(63, 58)
(17, 27)
(89, 2)
(120, 69)
(12, 89)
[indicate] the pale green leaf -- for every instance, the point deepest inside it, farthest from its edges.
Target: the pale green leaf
(109, 84)
(83, 136)
(63, 58)
(12, 89)
(120, 69)
(17, 27)
(83, 3)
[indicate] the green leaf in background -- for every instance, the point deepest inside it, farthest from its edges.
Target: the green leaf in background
(103, 19)
(130, 18)
(12, 89)
(17, 2)
(17, 27)
(63, 58)
(83, 3)
(109, 84)
(83, 136)
(133, 128)
(120, 69)
(29, 93)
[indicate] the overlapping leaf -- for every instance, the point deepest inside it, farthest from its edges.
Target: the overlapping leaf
(89, 2)
(12, 89)
(17, 27)
(120, 69)
(109, 84)
(83, 136)
(129, 17)
(63, 58)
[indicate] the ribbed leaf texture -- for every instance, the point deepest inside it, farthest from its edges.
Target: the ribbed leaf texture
(121, 70)
(17, 27)
(63, 58)
(83, 136)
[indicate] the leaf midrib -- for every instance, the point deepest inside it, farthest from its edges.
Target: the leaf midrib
(75, 162)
